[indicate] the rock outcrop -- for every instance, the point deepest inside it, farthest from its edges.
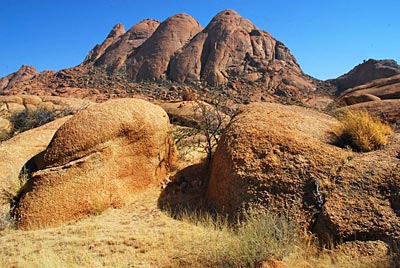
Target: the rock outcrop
(150, 61)
(274, 157)
(366, 72)
(98, 159)
(116, 53)
(279, 158)
(17, 151)
(386, 88)
(23, 74)
(231, 45)
(99, 49)
(380, 97)
(365, 203)
(386, 110)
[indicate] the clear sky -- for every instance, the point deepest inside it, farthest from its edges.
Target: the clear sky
(328, 38)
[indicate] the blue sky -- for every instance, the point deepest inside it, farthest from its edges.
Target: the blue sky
(328, 38)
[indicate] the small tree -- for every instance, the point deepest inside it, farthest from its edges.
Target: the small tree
(206, 127)
(211, 124)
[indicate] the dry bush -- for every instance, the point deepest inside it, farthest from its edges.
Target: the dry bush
(29, 119)
(361, 131)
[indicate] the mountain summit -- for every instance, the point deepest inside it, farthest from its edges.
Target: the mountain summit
(180, 50)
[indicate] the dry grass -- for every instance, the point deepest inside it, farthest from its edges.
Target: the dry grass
(141, 235)
(362, 132)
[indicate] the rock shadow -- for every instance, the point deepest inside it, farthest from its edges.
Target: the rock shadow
(186, 190)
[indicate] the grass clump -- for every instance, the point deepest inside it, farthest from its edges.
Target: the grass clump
(244, 243)
(260, 236)
(362, 132)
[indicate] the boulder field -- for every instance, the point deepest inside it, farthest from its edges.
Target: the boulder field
(98, 159)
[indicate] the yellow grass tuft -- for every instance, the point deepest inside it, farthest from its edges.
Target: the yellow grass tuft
(362, 132)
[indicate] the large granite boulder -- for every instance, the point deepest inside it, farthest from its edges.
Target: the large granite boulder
(98, 159)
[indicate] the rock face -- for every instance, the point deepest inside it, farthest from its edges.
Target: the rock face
(16, 152)
(99, 50)
(274, 157)
(386, 88)
(232, 45)
(366, 72)
(380, 97)
(280, 158)
(23, 74)
(117, 52)
(386, 110)
(365, 205)
(150, 61)
(97, 159)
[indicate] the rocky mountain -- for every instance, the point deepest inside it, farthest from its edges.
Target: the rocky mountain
(366, 72)
(150, 61)
(232, 45)
(119, 44)
(182, 51)
(99, 50)
(230, 53)
(23, 74)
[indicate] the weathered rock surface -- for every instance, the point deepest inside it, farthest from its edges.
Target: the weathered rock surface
(23, 74)
(116, 54)
(98, 159)
(99, 49)
(377, 249)
(280, 158)
(17, 151)
(366, 72)
(274, 157)
(231, 45)
(365, 202)
(387, 110)
(150, 61)
(354, 99)
(386, 88)
(271, 263)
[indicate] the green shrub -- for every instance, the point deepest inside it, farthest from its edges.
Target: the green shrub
(29, 119)
(362, 132)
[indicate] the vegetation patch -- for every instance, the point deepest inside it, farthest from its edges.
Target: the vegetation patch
(361, 131)
(244, 243)
(29, 119)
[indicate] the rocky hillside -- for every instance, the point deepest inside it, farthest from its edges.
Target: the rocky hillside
(229, 53)
(366, 72)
